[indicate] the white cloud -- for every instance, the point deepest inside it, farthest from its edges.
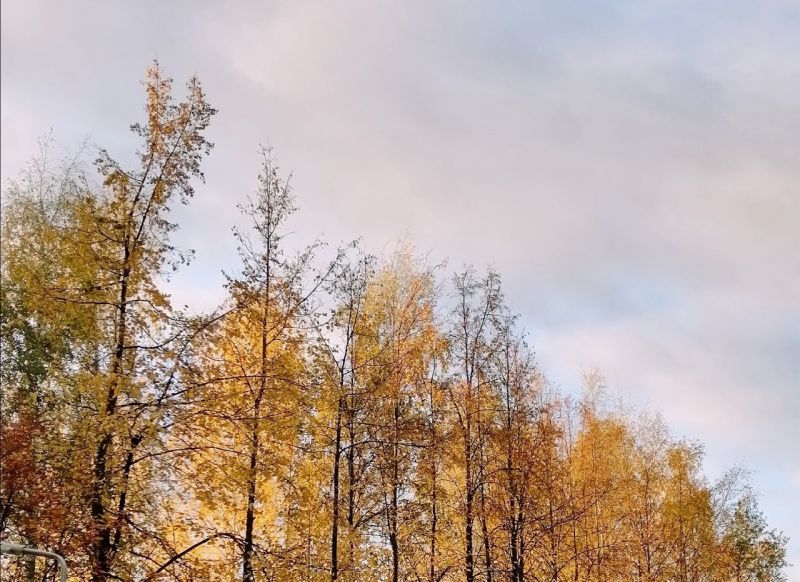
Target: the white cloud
(631, 168)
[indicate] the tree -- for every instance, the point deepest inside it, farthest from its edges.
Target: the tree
(477, 304)
(39, 340)
(349, 422)
(401, 339)
(111, 247)
(342, 369)
(249, 400)
(126, 232)
(750, 551)
(515, 443)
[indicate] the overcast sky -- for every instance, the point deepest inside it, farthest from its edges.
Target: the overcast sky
(631, 168)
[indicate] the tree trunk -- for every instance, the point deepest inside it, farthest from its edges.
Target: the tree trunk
(248, 574)
(102, 542)
(247, 554)
(469, 557)
(30, 568)
(487, 542)
(512, 541)
(434, 515)
(395, 495)
(351, 485)
(335, 525)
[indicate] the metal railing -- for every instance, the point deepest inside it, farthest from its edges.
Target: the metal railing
(20, 550)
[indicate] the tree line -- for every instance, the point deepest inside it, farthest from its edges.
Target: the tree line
(339, 417)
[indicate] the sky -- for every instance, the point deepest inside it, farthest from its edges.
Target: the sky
(632, 169)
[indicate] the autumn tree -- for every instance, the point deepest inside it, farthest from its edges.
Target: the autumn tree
(112, 249)
(352, 419)
(41, 339)
(400, 336)
(348, 408)
(477, 303)
(515, 444)
(248, 404)
(750, 551)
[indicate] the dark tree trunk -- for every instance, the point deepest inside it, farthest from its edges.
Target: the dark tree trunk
(250, 517)
(469, 557)
(337, 454)
(102, 543)
(487, 542)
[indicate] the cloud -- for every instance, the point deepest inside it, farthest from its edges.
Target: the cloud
(631, 169)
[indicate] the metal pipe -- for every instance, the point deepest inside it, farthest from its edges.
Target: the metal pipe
(20, 550)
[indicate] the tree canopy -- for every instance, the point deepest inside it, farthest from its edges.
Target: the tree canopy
(356, 418)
